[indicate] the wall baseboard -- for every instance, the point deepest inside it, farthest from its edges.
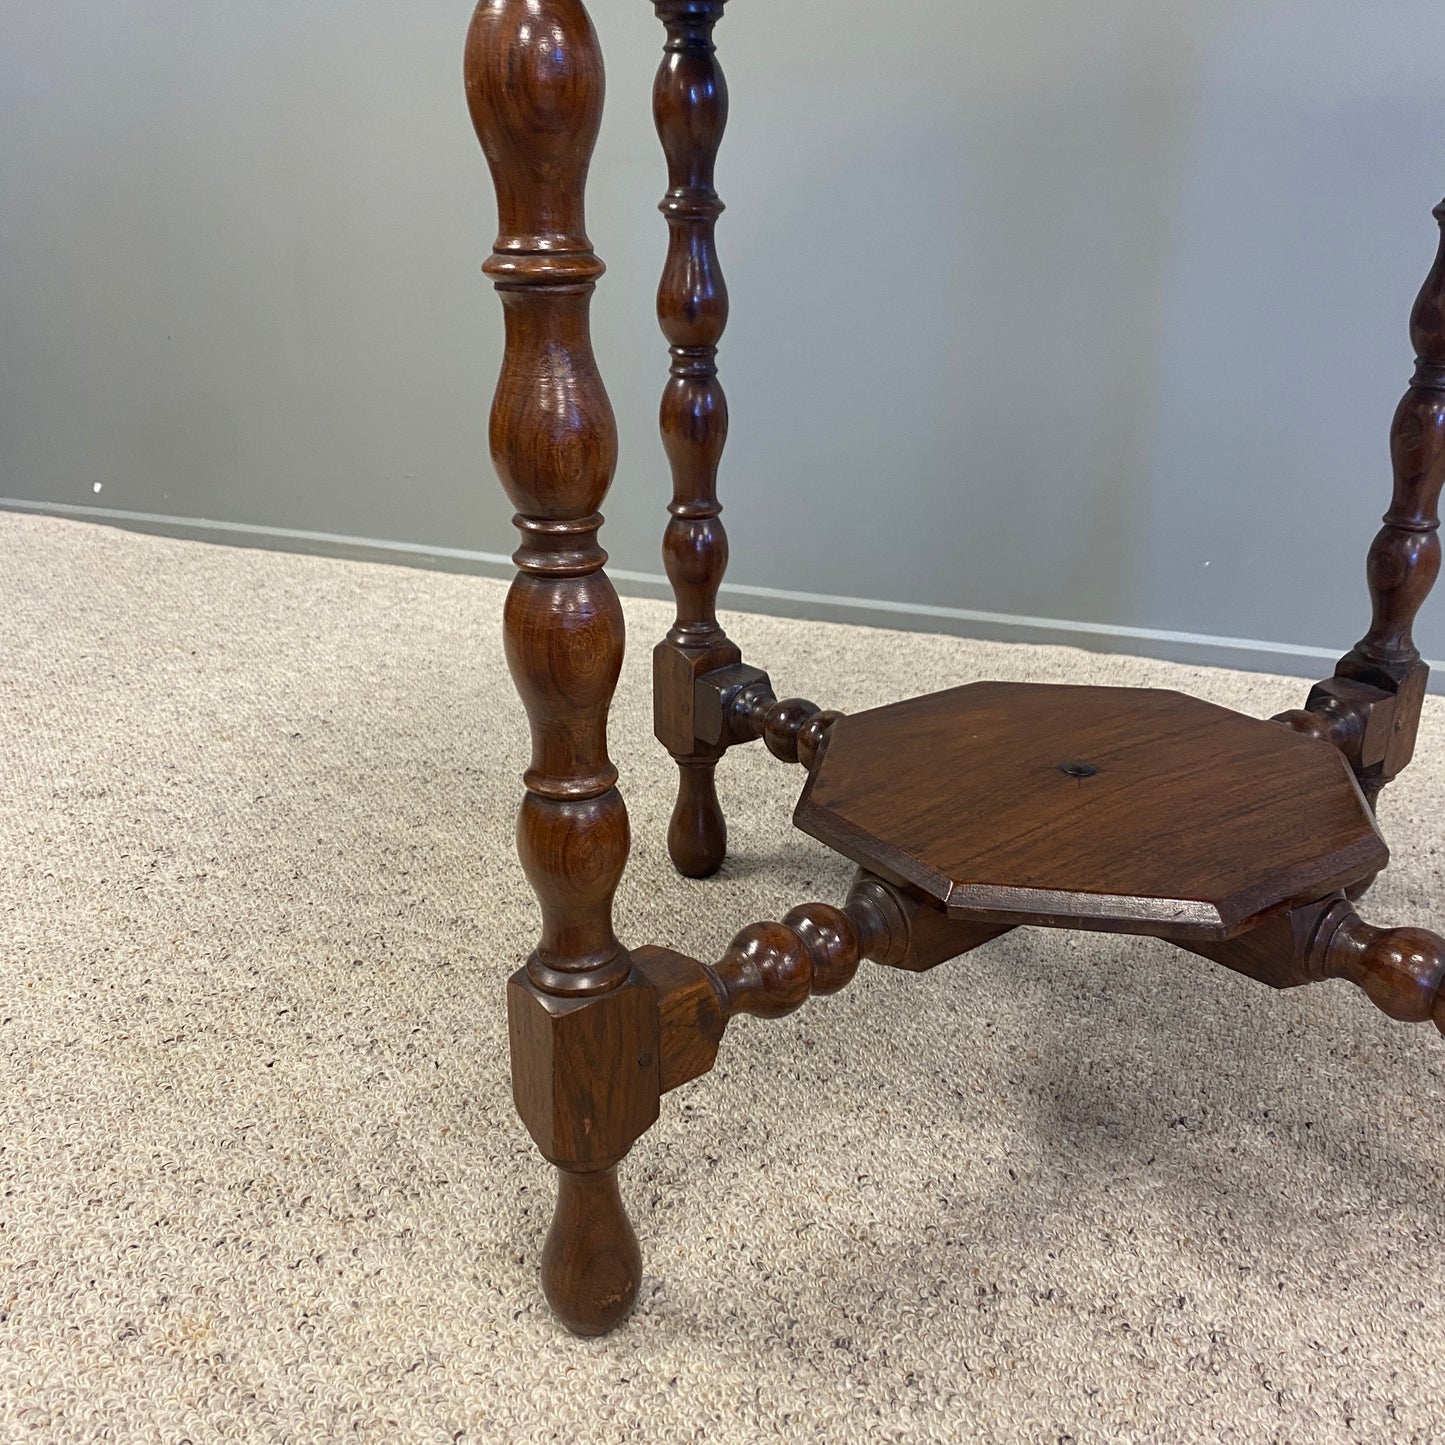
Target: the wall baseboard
(1203, 649)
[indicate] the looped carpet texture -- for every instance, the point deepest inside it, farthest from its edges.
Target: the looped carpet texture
(261, 1178)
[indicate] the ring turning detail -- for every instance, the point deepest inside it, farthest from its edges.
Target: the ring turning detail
(967, 812)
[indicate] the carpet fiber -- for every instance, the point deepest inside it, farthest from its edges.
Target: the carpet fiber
(261, 1178)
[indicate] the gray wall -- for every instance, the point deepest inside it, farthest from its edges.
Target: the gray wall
(1086, 312)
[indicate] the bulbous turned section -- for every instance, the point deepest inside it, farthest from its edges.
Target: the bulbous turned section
(577, 1018)
(1405, 557)
(697, 833)
(690, 107)
(792, 730)
(534, 82)
(835, 943)
(1330, 723)
(770, 969)
(1401, 969)
(767, 971)
(591, 1262)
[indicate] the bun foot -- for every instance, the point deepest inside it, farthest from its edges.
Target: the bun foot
(591, 1263)
(697, 836)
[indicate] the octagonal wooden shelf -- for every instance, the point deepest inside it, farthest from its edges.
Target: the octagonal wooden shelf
(1128, 809)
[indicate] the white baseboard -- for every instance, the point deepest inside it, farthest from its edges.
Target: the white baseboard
(1196, 647)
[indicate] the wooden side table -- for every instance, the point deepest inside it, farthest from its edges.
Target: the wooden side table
(968, 812)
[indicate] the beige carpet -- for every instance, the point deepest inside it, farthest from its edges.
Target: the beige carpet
(260, 1177)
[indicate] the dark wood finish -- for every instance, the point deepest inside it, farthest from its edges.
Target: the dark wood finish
(715, 695)
(770, 969)
(584, 1030)
(584, 1072)
(1352, 716)
(690, 105)
(792, 729)
(692, 1010)
(736, 704)
(697, 832)
(591, 1262)
(970, 811)
(1358, 720)
(1404, 559)
(1276, 951)
(696, 664)
(916, 933)
(1402, 970)
(534, 83)
(1127, 809)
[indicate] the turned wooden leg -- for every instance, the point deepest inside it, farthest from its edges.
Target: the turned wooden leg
(697, 832)
(582, 1021)
(690, 104)
(1404, 559)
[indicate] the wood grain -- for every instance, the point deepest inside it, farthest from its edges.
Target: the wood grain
(1401, 970)
(1123, 809)
(690, 107)
(1404, 558)
(583, 1025)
